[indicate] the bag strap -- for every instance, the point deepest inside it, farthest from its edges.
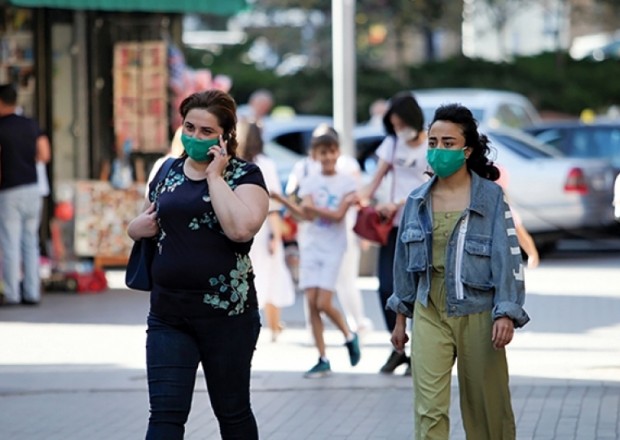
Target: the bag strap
(162, 172)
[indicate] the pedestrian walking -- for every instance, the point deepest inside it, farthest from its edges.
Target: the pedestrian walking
(458, 273)
(325, 201)
(274, 284)
(349, 295)
(402, 166)
(259, 106)
(203, 214)
(22, 144)
(526, 241)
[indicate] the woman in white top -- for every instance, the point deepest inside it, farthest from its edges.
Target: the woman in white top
(273, 281)
(401, 169)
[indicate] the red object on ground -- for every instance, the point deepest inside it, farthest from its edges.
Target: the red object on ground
(87, 282)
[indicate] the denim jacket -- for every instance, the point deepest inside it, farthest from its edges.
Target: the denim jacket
(484, 269)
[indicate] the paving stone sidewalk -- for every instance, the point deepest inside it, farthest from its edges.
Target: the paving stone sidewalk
(73, 369)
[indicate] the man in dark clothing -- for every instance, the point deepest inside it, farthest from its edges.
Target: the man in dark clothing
(20, 202)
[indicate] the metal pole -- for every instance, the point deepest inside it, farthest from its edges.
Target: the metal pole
(343, 60)
(80, 123)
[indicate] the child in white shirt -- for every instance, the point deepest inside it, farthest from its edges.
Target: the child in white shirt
(326, 198)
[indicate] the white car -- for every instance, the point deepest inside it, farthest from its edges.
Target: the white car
(555, 196)
(287, 140)
(491, 108)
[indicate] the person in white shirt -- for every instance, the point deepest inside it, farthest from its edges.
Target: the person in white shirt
(325, 200)
(273, 281)
(402, 167)
(349, 295)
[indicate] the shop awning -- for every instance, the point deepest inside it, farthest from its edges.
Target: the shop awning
(218, 7)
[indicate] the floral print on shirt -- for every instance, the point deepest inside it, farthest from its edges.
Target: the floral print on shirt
(228, 292)
(237, 288)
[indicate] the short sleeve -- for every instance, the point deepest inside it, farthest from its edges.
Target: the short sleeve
(247, 173)
(350, 185)
(270, 174)
(385, 151)
(305, 187)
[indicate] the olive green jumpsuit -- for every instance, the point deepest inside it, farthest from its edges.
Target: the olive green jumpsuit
(437, 341)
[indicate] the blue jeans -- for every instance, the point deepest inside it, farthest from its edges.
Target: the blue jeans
(224, 346)
(385, 273)
(20, 216)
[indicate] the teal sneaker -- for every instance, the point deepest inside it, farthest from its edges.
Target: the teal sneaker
(354, 350)
(321, 369)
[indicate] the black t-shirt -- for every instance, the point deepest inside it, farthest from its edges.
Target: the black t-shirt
(18, 151)
(197, 270)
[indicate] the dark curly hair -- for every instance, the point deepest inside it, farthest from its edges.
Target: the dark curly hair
(222, 106)
(478, 160)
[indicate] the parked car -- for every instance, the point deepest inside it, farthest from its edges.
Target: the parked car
(574, 138)
(491, 108)
(608, 51)
(287, 140)
(556, 196)
(293, 132)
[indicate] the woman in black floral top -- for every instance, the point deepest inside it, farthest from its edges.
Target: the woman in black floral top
(203, 213)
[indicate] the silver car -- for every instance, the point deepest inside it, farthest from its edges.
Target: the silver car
(491, 108)
(556, 196)
(287, 140)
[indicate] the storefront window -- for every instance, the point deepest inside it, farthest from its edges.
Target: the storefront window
(17, 55)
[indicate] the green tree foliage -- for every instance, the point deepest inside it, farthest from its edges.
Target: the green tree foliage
(577, 85)
(400, 18)
(570, 89)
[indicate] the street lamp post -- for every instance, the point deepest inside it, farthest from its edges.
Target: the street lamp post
(344, 84)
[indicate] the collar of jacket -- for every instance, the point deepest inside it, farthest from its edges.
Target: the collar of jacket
(476, 204)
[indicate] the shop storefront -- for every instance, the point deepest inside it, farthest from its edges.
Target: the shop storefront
(95, 74)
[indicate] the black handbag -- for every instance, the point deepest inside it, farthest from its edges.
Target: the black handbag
(138, 271)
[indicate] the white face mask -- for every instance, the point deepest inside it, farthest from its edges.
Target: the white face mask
(407, 134)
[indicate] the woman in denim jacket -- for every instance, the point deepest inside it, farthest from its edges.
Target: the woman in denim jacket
(458, 261)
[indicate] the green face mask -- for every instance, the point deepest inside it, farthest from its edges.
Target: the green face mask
(445, 162)
(198, 149)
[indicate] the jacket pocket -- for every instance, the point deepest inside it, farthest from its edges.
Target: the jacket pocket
(413, 239)
(476, 269)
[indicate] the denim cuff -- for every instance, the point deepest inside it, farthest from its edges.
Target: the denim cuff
(395, 304)
(511, 310)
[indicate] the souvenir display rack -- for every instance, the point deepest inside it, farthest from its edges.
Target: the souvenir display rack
(140, 96)
(102, 215)
(17, 55)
